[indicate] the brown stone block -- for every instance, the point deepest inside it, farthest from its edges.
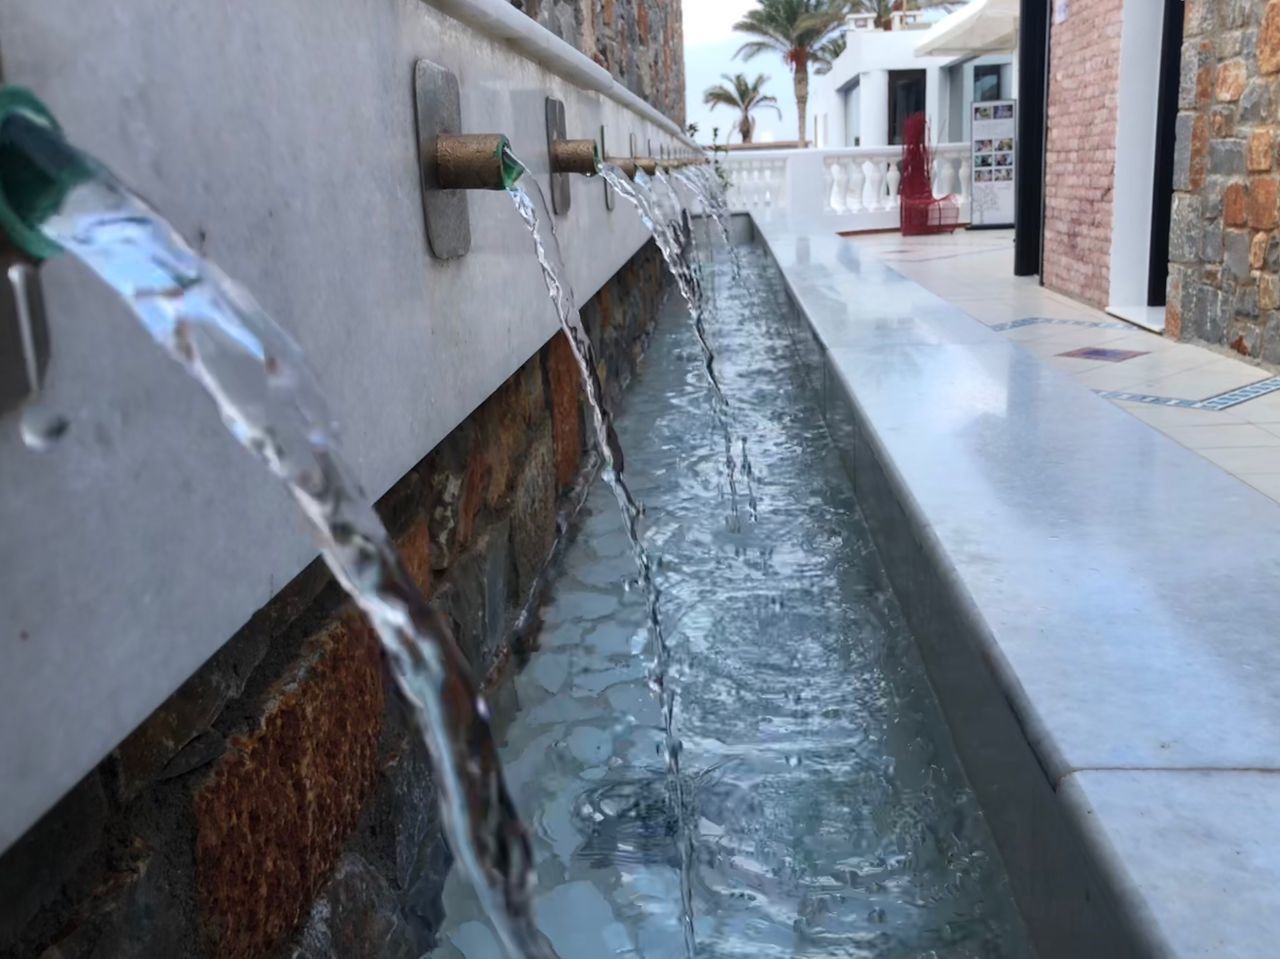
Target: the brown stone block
(1269, 39)
(1261, 151)
(415, 551)
(1199, 151)
(1258, 250)
(475, 483)
(1173, 322)
(1231, 81)
(1235, 206)
(1264, 213)
(1269, 292)
(276, 811)
(566, 409)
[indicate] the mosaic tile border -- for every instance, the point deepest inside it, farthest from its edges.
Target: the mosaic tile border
(1223, 401)
(1051, 321)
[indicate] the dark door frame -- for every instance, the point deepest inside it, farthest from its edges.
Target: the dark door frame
(899, 78)
(1033, 97)
(1166, 147)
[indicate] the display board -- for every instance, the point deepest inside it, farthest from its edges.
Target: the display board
(994, 127)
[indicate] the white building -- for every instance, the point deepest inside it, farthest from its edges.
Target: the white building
(880, 80)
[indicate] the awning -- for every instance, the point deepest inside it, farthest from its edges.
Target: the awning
(981, 26)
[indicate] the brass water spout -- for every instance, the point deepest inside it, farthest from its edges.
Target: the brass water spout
(628, 167)
(575, 156)
(648, 164)
(480, 161)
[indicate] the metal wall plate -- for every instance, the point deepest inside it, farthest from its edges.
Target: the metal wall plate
(561, 191)
(438, 106)
(608, 190)
(24, 334)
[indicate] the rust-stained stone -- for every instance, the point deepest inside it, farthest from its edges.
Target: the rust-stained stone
(1199, 151)
(1258, 250)
(1235, 206)
(1269, 40)
(1269, 292)
(566, 409)
(1231, 81)
(1264, 214)
(415, 551)
(1261, 151)
(275, 813)
(474, 485)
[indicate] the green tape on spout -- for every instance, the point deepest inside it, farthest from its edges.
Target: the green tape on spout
(38, 168)
(512, 169)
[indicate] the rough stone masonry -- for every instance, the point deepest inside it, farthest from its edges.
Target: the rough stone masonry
(1224, 283)
(641, 42)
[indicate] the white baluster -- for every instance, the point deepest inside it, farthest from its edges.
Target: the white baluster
(946, 177)
(857, 183)
(839, 178)
(966, 178)
(875, 184)
(894, 180)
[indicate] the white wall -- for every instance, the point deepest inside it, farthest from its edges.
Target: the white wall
(1140, 46)
(137, 546)
(856, 91)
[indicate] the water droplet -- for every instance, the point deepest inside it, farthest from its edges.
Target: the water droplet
(41, 429)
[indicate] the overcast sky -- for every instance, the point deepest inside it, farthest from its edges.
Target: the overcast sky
(709, 45)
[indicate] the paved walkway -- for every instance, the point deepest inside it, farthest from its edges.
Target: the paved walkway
(1226, 410)
(1080, 587)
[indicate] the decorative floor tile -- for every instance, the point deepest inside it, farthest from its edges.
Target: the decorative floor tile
(1148, 399)
(1104, 355)
(1223, 401)
(1050, 321)
(1243, 395)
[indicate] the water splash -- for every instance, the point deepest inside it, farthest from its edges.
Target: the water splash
(268, 400)
(532, 209)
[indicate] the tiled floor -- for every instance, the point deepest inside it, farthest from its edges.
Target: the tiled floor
(1166, 387)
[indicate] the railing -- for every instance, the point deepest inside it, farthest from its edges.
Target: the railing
(855, 188)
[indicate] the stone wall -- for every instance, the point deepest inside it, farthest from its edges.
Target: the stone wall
(1080, 153)
(1224, 283)
(278, 804)
(641, 42)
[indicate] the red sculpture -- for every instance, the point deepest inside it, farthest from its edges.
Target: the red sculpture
(922, 212)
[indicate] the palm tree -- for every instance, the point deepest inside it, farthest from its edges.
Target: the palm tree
(745, 96)
(802, 31)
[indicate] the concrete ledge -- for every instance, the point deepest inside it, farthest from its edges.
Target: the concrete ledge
(1093, 605)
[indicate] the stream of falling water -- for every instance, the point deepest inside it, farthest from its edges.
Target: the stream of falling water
(701, 182)
(532, 208)
(255, 374)
(638, 194)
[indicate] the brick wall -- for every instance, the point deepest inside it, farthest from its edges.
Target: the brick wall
(1224, 282)
(279, 804)
(1081, 150)
(641, 42)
